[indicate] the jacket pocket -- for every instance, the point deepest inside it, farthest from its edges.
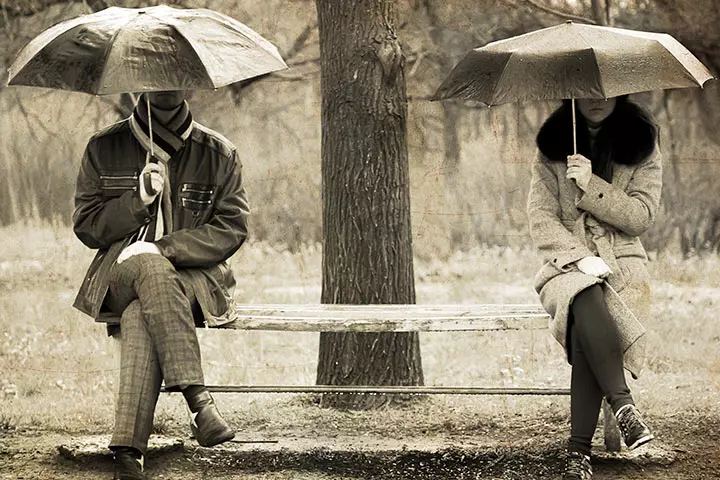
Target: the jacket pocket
(115, 183)
(629, 247)
(196, 198)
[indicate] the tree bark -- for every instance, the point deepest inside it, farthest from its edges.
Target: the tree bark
(367, 242)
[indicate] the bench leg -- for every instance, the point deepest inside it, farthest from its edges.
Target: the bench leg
(610, 427)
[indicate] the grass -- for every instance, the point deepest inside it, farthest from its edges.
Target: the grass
(59, 368)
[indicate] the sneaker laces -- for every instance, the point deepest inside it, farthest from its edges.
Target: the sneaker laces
(629, 419)
(578, 464)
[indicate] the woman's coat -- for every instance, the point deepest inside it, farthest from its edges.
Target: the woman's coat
(567, 224)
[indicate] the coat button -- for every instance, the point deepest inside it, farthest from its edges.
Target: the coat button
(601, 195)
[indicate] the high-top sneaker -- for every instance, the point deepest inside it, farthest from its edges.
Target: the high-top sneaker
(634, 430)
(577, 467)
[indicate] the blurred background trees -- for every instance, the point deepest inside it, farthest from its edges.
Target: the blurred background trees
(469, 165)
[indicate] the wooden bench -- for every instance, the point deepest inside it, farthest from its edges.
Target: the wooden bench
(399, 318)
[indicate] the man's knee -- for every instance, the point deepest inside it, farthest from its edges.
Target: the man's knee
(146, 268)
(146, 264)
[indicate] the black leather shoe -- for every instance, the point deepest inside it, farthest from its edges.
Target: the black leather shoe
(128, 464)
(208, 427)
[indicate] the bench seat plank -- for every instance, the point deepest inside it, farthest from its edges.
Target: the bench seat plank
(388, 318)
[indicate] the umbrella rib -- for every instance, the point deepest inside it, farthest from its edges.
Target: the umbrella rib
(69, 25)
(500, 78)
(109, 47)
(681, 63)
(194, 52)
(597, 63)
(597, 69)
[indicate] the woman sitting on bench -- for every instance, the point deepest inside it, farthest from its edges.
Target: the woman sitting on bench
(586, 211)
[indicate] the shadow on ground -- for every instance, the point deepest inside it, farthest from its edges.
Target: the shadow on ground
(369, 458)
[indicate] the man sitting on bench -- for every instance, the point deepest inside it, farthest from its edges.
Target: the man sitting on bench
(162, 199)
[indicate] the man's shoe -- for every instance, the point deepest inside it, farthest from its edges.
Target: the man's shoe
(577, 467)
(634, 430)
(128, 464)
(208, 427)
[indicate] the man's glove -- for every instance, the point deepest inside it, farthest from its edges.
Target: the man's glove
(152, 180)
(594, 266)
(136, 249)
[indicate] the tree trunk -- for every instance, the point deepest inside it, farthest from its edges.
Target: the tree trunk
(600, 11)
(367, 242)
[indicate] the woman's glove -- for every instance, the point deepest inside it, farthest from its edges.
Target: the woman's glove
(579, 168)
(594, 266)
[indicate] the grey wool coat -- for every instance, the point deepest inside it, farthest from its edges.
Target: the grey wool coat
(567, 224)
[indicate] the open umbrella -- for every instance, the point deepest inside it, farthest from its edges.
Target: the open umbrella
(122, 50)
(573, 60)
(119, 50)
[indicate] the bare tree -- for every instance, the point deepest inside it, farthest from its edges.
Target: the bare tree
(367, 243)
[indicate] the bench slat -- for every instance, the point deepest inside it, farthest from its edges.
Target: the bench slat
(382, 390)
(389, 318)
(388, 309)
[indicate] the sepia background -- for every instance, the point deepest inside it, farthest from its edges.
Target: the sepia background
(469, 168)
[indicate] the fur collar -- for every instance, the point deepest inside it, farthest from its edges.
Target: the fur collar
(626, 137)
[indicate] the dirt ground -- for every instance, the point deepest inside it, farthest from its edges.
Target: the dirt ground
(684, 450)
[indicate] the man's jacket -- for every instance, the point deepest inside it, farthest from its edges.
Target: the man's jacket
(210, 213)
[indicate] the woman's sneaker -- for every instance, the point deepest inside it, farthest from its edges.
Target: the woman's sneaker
(634, 430)
(577, 467)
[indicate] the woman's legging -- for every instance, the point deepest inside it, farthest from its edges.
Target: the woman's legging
(597, 366)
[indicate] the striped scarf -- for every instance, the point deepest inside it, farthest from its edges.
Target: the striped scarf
(160, 142)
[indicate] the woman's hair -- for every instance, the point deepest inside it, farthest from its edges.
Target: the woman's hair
(627, 136)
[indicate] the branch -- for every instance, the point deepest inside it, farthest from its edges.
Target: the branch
(27, 116)
(300, 41)
(315, 61)
(10, 12)
(294, 50)
(559, 13)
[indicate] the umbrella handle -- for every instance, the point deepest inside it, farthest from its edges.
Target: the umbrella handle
(574, 127)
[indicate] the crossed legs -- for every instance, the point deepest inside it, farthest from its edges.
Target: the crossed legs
(597, 366)
(158, 341)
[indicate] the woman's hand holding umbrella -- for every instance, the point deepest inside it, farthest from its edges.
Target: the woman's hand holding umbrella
(579, 168)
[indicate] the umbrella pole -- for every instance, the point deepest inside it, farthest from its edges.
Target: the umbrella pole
(574, 127)
(152, 150)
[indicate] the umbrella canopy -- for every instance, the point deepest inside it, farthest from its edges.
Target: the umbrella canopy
(573, 60)
(120, 50)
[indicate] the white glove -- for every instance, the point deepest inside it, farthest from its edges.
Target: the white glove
(136, 249)
(594, 266)
(579, 169)
(152, 180)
